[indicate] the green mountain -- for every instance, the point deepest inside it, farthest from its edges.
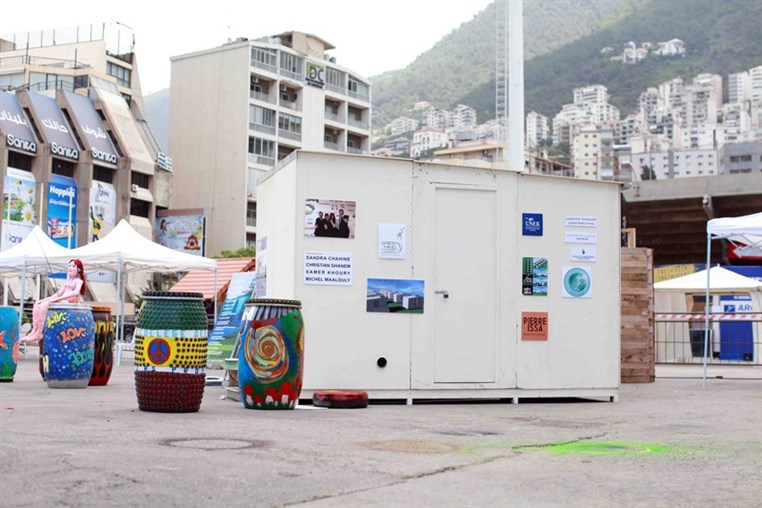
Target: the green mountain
(464, 60)
(721, 37)
(563, 41)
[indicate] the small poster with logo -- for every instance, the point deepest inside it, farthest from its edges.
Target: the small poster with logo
(531, 224)
(534, 276)
(534, 326)
(578, 282)
(392, 241)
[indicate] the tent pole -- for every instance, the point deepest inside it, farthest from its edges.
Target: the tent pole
(707, 303)
(119, 318)
(21, 300)
(215, 294)
(121, 297)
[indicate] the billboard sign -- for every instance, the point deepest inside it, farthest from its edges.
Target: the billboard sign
(18, 207)
(183, 233)
(91, 127)
(62, 211)
(18, 134)
(55, 128)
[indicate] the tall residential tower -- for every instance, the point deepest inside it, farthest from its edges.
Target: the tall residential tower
(238, 109)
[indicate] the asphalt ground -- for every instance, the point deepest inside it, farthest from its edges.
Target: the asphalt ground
(667, 443)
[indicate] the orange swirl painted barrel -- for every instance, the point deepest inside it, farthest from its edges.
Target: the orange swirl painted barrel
(271, 360)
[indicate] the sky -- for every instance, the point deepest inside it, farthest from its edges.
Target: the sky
(370, 37)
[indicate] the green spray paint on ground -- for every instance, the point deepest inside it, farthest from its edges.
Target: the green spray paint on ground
(603, 448)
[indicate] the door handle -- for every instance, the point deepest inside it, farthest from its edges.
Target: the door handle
(442, 292)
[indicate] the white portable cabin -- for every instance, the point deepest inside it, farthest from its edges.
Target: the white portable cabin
(464, 240)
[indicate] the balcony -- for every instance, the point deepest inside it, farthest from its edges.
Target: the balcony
(360, 124)
(262, 96)
(261, 159)
(334, 117)
(286, 73)
(336, 88)
(330, 145)
(358, 95)
(268, 129)
(296, 136)
(352, 149)
(264, 66)
(292, 105)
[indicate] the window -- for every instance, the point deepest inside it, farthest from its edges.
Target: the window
(335, 80)
(261, 119)
(123, 76)
(140, 208)
(265, 57)
(358, 89)
(141, 180)
(11, 81)
(291, 65)
(290, 123)
(260, 146)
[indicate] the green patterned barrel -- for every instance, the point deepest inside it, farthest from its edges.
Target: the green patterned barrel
(171, 340)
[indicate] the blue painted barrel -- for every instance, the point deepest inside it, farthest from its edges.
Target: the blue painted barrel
(9, 342)
(69, 338)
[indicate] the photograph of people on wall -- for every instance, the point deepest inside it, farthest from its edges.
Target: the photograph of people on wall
(329, 218)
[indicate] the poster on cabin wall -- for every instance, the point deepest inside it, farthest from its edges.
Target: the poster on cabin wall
(223, 337)
(403, 296)
(329, 218)
(534, 276)
(392, 241)
(577, 282)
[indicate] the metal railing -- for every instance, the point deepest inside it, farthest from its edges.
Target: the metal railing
(733, 338)
(269, 129)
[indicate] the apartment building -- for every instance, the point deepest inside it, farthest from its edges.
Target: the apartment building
(668, 164)
(74, 124)
(426, 139)
(462, 116)
(739, 87)
(401, 125)
(537, 130)
(703, 100)
(593, 154)
(238, 109)
(741, 158)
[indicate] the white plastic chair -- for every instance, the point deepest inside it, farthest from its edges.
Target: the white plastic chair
(122, 345)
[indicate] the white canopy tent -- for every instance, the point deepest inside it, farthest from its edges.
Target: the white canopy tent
(123, 250)
(36, 254)
(744, 232)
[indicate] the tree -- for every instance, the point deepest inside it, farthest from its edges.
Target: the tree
(243, 252)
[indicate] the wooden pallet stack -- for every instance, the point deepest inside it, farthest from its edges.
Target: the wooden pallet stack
(637, 336)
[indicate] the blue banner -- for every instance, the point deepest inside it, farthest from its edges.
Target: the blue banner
(62, 211)
(223, 337)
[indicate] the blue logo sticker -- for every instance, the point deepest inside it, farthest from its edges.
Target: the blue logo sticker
(531, 224)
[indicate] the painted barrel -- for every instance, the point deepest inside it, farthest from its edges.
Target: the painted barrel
(9, 343)
(103, 361)
(171, 340)
(69, 345)
(271, 359)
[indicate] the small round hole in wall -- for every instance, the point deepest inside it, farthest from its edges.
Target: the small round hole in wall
(381, 362)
